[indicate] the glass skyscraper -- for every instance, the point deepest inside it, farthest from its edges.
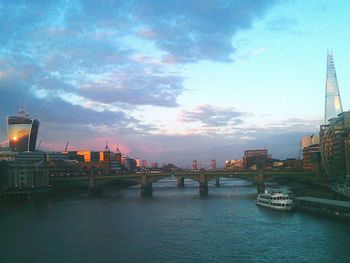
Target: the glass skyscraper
(22, 132)
(335, 133)
(333, 104)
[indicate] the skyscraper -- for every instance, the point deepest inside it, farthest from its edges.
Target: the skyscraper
(333, 108)
(333, 104)
(22, 132)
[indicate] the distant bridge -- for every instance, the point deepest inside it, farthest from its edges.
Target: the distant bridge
(95, 182)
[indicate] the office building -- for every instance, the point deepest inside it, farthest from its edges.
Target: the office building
(333, 105)
(306, 141)
(130, 165)
(335, 148)
(312, 158)
(255, 159)
(138, 163)
(334, 134)
(22, 175)
(22, 132)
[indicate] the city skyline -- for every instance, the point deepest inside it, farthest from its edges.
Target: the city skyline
(172, 82)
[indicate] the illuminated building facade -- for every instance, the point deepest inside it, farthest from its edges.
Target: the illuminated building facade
(138, 163)
(306, 141)
(22, 132)
(234, 164)
(86, 155)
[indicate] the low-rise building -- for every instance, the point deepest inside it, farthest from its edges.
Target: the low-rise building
(8, 155)
(130, 165)
(234, 164)
(311, 158)
(23, 175)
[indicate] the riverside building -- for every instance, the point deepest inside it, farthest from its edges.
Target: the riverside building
(335, 148)
(335, 135)
(22, 175)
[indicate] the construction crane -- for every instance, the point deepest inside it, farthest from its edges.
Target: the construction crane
(65, 149)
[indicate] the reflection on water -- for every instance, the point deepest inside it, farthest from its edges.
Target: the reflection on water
(175, 225)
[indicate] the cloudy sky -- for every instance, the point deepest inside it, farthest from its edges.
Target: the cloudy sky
(172, 81)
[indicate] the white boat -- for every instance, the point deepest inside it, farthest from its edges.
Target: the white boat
(277, 199)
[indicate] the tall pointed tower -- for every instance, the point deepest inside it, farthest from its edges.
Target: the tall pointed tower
(107, 153)
(333, 104)
(118, 155)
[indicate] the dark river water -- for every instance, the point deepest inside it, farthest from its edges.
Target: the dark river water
(175, 225)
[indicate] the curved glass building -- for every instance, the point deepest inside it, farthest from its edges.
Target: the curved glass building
(22, 132)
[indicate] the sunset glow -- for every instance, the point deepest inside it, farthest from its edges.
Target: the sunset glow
(172, 84)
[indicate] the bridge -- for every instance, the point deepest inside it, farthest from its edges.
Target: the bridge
(96, 182)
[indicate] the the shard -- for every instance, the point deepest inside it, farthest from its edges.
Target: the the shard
(333, 104)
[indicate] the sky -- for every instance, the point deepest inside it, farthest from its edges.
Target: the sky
(172, 81)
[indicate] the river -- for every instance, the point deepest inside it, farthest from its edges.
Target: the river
(175, 225)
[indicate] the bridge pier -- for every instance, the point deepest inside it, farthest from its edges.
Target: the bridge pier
(260, 183)
(92, 182)
(203, 185)
(92, 185)
(146, 187)
(217, 181)
(255, 179)
(180, 181)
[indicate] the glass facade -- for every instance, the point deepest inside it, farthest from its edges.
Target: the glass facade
(333, 104)
(335, 147)
(22, 133)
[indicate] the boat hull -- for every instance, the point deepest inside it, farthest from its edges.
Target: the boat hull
(278, 208)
